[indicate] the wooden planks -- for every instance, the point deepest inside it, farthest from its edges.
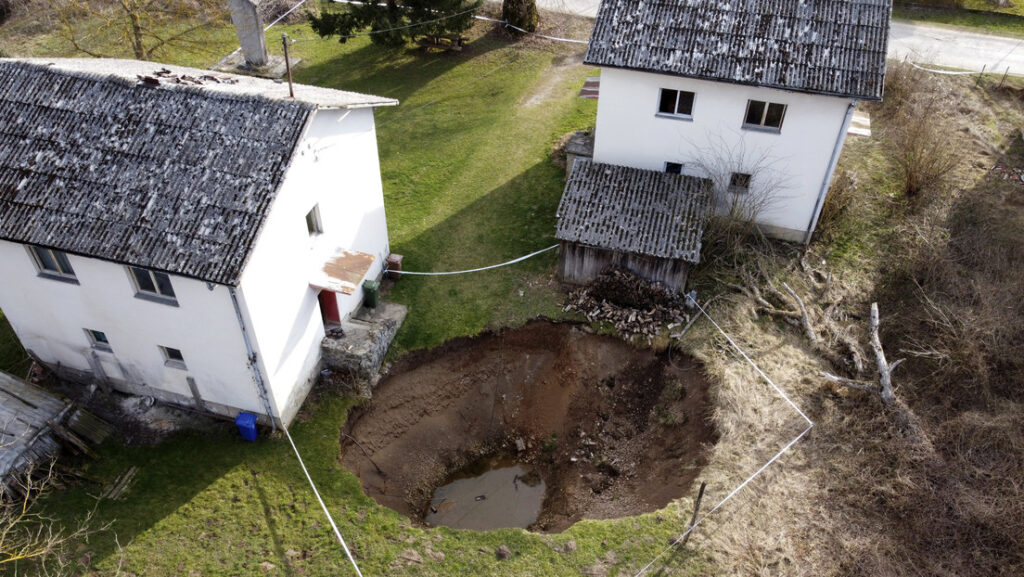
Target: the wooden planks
(25, 411)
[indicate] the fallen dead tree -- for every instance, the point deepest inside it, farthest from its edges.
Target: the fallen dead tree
(822, 327)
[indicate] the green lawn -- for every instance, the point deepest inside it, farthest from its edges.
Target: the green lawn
(468, 182)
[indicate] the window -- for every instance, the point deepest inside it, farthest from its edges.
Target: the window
(173, 358)
(675, 102)
(98, 340)
(674, 167)
(313, 224)
(765, 114)
(739, 182)
(152, 285)
(52, 264)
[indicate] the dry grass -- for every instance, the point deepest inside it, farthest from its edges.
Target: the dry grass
(915, 124)
(863, 494)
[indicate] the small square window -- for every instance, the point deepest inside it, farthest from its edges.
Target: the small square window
(52, 263)
(313, 224)
(675, 102)
(739, 182)
(764, 114)
(173, 357)
(98, 340)
(674, 167)
(153, 285)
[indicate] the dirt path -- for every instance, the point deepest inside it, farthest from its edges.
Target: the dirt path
(613, 430)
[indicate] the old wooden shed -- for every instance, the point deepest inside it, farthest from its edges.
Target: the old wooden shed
(648, 222)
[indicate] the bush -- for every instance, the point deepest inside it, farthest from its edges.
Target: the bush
(913, 116)
(521, 14)
(5, 11)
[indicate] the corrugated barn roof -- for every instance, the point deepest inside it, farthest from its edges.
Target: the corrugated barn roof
(634, 210)
(833, 47)
(173, 178)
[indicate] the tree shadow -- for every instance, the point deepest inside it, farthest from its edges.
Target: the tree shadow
(394, 72)
(513, 219)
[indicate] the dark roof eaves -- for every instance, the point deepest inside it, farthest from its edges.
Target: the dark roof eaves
(115, 261)
(872, 98)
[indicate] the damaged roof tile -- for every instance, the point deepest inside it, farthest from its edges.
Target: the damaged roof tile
(177, 179)
(634, 210)
(832, 47)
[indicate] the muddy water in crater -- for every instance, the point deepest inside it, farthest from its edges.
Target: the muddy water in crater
(493, 494)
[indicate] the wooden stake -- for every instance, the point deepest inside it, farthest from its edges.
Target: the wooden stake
(980, 75)
(287, 65)
(696, 508)
(1001, 80)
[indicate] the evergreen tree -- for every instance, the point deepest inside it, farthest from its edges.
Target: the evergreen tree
(521, 14)
(392, 24)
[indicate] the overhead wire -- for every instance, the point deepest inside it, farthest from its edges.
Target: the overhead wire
(493, 266)
(810, 425)
(334, 526)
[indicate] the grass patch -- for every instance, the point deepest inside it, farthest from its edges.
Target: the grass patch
(991, 22)
(13, 358)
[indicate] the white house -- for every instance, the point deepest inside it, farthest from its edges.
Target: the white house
(756, 95)
(184, 235)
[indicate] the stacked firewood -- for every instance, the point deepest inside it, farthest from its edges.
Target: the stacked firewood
(632, 305)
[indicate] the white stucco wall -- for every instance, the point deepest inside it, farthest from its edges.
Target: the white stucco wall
(50, 316)
(794, 161)
(336, 167)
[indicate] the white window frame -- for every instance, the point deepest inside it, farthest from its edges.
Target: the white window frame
(99, 344)
(736, 188)
(157, 295)
(63, 271)
(675, 108)
(764, 116)
(169, 354)
(314, 225)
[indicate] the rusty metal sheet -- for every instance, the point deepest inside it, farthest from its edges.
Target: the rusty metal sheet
(342, 272)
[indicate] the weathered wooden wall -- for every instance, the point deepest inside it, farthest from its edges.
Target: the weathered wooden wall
(579, 264)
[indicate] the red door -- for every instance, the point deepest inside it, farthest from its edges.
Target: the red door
(329, 307)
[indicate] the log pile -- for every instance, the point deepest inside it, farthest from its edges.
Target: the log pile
(632, 305)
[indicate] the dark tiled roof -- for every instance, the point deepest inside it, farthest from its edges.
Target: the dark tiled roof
(173, 179)
(834, 47)
(634, 210)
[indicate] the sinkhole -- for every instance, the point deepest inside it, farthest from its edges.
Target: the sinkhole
(534, 427)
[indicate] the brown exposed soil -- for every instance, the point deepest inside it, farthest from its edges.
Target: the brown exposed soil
(613, 430)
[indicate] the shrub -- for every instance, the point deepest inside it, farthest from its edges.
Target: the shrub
(912, 118)
(521, 14)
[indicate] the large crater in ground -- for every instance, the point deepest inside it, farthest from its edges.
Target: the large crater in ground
(611, 430)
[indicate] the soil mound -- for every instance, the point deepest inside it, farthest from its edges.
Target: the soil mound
(613, 430)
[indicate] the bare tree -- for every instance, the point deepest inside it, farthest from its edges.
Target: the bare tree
(98, 28)
(29, 538)
(745, 183)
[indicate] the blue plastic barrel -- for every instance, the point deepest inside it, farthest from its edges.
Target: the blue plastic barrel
(246, 425)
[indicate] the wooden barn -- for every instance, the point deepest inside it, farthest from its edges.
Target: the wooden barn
(645, 221)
